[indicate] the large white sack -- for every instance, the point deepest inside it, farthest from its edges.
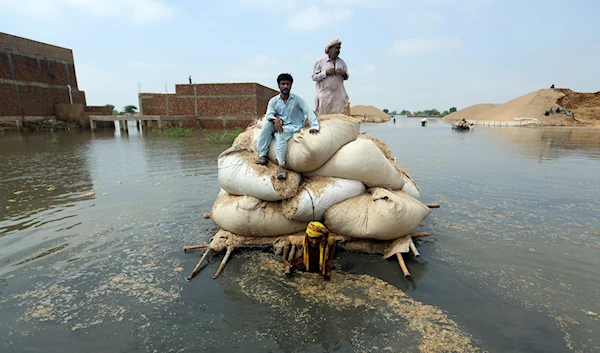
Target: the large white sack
(249, 216)
(240, 175)
(377, 214)
(387, 152)
(307, 152)
(410, 187)
(362, 160)
(317, 195)
(248, 138)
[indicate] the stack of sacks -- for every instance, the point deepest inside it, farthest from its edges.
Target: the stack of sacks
(339, 177)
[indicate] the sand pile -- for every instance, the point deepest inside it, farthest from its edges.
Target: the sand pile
(586, 107)
(472, 112)
(368, 113)
(531, 105)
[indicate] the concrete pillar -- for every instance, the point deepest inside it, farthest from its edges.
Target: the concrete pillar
(180, 123)
(159, 124)
(92, 124)
(19, 124)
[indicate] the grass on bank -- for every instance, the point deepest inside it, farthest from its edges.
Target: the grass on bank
(209, 136)
(174, 132)
(226, 137)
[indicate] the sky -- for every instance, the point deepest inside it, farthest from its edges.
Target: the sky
(401, 54)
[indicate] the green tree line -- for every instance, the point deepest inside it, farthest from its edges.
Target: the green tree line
(429, 112)
(130, 109)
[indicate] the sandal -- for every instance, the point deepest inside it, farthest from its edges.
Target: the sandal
(262, 160)
(282, 174)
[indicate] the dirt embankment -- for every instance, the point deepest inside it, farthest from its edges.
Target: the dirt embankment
(470, 112)
(369, 113)
(586, 107)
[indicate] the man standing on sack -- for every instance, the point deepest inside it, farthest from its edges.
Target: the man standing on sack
(285, 116)
(329, 73)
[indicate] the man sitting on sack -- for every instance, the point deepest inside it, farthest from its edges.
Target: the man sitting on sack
(315, 254)
(285, 116)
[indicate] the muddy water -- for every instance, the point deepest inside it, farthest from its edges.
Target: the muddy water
(92, 229)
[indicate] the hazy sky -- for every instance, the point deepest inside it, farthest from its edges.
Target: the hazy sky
(402, 54)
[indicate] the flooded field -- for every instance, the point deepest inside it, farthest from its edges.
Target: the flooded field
(92, 228)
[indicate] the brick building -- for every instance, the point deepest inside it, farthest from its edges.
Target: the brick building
(38, 80)
(217, 105)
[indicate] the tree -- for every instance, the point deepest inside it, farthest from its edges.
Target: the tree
(112, 109)
(130, 109)
(452, 110)
(386, 110)
(393, 112)
(445, 113)
(405, 112)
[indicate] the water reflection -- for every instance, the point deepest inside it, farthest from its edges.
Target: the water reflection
(553, 142)
(41, 173)
(512, 259)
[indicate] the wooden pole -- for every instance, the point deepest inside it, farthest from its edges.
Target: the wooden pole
(403, 265)
(419, 234)
(198, 265)
(229, 250)
(414, 249)
(288, 270)
(192, 247)
(433, 205)
(292, 253)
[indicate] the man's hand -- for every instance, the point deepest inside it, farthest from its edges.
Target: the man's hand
(314, 131)
(278, 124)
(286, 264)
(330, 71)
(340, 72)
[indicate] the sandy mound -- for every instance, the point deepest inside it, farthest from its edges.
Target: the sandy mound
(586, 107)
(472, 112)
(531, 105)
(369, 114)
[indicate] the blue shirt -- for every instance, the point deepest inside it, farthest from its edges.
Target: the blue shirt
(292, 113)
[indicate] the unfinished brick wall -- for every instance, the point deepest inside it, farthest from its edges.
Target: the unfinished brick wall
(34, 77)
(9, 105)
(70, 112)
(26, 69)
(32, 101)
(78, 97)
(212, 100)
(4, 67)
(98, 110)
(28, 46)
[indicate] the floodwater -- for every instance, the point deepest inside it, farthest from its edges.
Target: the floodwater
(92, 229)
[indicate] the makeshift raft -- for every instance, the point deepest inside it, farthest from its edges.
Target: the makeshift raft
(227, 242)
(340, 177)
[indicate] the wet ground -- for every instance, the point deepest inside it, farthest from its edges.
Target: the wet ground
(92, 229)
